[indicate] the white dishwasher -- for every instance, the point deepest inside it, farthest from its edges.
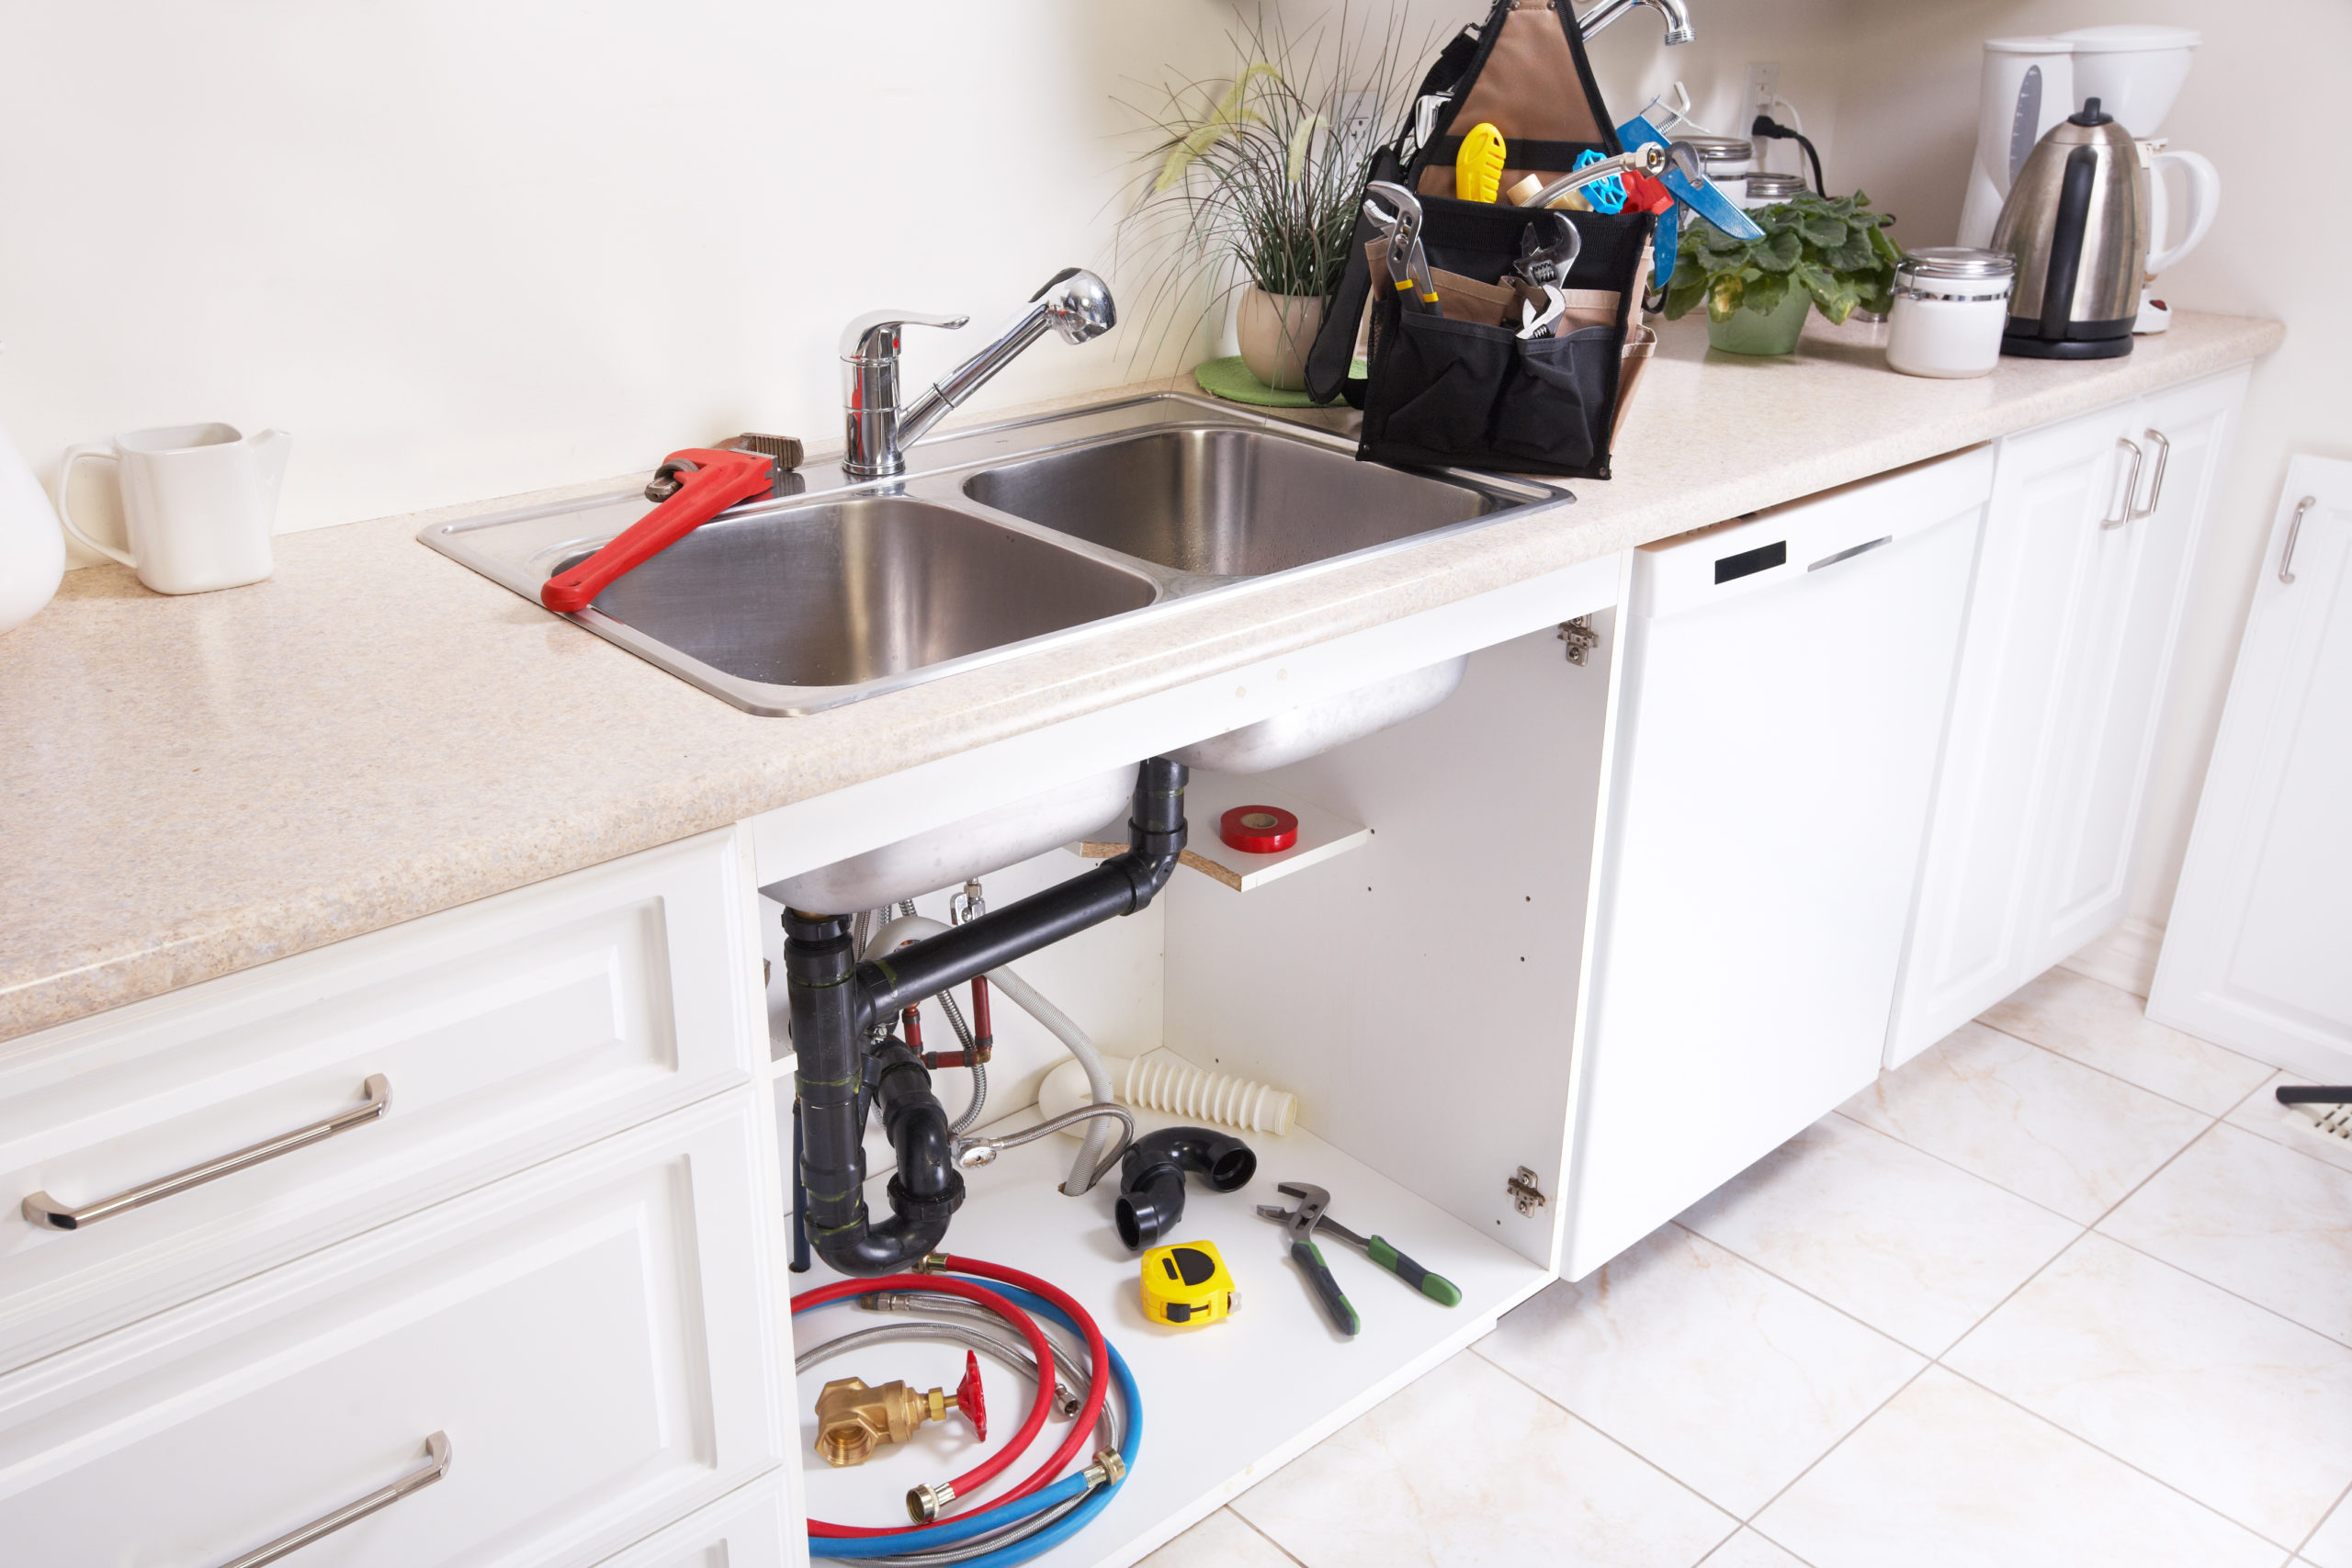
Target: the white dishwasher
(1786, 678)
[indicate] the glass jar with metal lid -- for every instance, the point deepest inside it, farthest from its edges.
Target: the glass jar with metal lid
(1951, 303)
(1764, 189)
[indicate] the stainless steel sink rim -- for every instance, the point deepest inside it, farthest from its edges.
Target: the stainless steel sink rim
(936, 471)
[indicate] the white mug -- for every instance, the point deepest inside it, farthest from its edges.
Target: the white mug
(197, 504)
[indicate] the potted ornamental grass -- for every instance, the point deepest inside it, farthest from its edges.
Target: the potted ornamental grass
(1252, 184)
(1833, 256)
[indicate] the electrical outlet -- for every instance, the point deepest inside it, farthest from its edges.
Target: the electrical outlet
(1359, 120)
(1763, 90)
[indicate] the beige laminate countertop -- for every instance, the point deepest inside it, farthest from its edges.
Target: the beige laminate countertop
(190, 786)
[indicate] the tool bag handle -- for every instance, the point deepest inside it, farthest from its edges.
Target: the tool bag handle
(1328, 360)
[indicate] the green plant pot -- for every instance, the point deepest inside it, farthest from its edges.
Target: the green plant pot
(1767, 332)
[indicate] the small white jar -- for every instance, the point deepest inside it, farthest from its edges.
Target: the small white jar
(1951, 304)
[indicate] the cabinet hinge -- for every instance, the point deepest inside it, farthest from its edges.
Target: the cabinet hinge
(1523, 1191)
(1580, 637)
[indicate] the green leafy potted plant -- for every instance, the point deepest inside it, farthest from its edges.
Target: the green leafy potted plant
(1252, 184)
(1832, 254)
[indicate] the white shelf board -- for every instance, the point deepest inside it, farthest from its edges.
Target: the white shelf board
(1223, 1406)
(1208, 797)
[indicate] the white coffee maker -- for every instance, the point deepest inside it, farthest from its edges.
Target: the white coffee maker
(2028, 87)
(2135, 72)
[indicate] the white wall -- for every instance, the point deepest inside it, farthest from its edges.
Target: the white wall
(466, 248)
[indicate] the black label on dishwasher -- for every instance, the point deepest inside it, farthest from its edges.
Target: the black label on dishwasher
(1764, 557)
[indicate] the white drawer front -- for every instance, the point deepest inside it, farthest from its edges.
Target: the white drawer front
(507, 1031)
(592, 1336)
(747, 1529)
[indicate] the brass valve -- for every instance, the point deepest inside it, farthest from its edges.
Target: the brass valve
(853, 1420)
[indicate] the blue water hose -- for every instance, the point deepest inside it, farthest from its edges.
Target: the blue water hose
(952, 1532)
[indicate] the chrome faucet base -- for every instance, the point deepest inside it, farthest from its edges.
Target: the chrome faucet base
(877, 429)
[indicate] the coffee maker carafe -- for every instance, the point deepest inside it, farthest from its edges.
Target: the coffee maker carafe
(2077, 220)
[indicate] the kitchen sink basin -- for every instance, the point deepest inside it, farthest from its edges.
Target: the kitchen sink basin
(995, 541)
(1226, 502)
(859, 590)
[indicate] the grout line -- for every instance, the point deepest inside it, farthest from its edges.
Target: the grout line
(1803, 1562)
(2342, 1502)
(1808, 1469)
(1261, 1535)
(1808, 1294)
(2118, 1078)
(2077, 1437)
(1979, 1175)
(1639, 1456)
(2274, 1311)
(2004, 1301)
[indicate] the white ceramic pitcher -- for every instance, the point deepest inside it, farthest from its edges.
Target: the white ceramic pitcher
(197, 500)
(32, 552)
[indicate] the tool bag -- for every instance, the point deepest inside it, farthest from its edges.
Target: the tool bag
(1445, 391)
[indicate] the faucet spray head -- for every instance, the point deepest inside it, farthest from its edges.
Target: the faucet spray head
(1078, 304)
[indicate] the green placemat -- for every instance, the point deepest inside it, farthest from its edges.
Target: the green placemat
(1230, 379)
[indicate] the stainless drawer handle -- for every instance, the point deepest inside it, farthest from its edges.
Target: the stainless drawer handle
(437, 1446)
(2123, 512)
(2294, 529)
(2155, 483)
(44, 1210)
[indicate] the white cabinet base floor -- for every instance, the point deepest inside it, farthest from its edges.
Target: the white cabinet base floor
(1222, 1405)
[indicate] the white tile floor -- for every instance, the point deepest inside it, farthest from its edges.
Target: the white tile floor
(2063, 1291)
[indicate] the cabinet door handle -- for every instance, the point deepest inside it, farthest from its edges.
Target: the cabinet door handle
(2294, 528)
(47, 1211)
(436, 1467)
(2123, 512)
(2156, 483)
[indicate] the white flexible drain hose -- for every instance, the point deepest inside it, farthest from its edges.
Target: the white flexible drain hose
(913, 928)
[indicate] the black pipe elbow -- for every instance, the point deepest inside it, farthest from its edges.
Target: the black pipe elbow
(1151, 1177)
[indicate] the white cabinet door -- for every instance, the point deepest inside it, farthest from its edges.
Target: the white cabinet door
(2259, 953)
(2113, 680)
(2071, 626)
(2050, 488)
(593, 1338)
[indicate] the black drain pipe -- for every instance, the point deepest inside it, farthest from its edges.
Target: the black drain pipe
(836, 999)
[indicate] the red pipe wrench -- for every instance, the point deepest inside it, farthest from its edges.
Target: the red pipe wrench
(713, 480)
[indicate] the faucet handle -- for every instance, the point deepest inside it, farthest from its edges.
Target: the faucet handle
(875, 335)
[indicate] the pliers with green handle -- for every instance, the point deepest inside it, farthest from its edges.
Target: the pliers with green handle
(1303, 1219)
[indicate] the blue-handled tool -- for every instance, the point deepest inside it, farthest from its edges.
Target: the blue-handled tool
(1690, 185)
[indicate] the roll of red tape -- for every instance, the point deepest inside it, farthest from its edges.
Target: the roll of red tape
(1258, 830)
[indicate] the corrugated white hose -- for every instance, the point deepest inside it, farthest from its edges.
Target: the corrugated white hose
(913, 928)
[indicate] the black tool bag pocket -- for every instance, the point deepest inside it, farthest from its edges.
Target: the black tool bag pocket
(1553, 410)
(1433, 388)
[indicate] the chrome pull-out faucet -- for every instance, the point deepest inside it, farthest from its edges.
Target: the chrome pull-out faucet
(1076, 304)
(1678, 20)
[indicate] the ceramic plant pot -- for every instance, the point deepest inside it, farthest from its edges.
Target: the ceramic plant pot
(1767, 332)
(1275, 332)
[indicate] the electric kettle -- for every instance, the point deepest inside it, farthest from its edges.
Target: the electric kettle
(2076, 220)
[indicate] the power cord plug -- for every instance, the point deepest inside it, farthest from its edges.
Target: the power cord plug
(1767, 126)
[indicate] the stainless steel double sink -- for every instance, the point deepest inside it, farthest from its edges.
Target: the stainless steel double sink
(995, 542)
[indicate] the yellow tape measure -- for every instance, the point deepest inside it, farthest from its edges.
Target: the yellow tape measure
(1186, 1284)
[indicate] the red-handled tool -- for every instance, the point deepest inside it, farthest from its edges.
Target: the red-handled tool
(713, 480)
